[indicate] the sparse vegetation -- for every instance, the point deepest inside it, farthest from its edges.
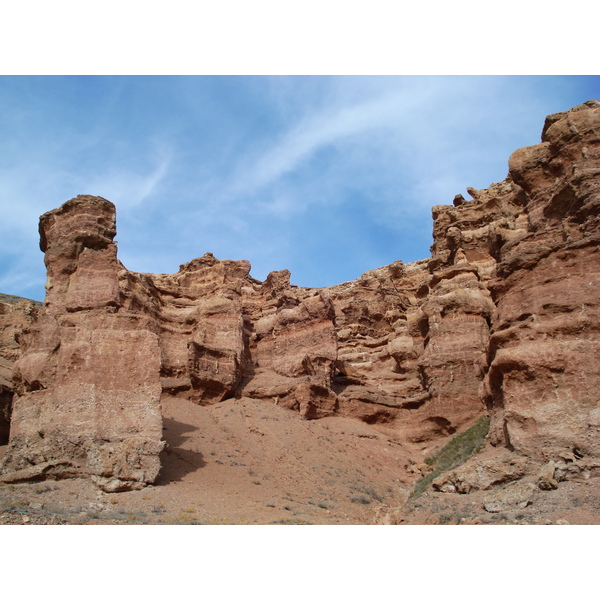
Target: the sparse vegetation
(185, 518)
(457, 451)
(361, 499)
(364, 494)
(290, 522)
(8, 299)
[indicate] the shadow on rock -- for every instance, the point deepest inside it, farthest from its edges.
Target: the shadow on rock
(177, 462)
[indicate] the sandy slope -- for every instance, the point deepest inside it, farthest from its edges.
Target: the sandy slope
(251, 462)
(248, 461)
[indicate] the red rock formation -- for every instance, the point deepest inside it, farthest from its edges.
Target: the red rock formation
(502, 318)
(544, 368)
(292, 346)
(534, 239)
(87, 384)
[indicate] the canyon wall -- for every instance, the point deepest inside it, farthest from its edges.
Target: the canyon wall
(502, 319)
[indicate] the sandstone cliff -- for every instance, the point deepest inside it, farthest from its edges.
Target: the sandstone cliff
(502, 320)
(87, 385)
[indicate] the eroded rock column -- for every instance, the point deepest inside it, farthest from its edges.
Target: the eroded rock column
(87, 384)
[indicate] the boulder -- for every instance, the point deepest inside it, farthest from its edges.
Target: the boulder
(515, 495)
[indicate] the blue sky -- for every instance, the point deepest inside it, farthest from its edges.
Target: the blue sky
(325, 176)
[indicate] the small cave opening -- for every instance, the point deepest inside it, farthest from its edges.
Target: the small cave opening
(443, 424)
(378, 417)
(4, 433)
(5, 414)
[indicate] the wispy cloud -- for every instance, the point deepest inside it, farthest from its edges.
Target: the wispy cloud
(30, 188)
(387, 140)
(325, 176)
(128, 186)
(305, 138)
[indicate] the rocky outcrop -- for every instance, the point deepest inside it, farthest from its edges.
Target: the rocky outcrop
(503, 318)
(292, 345)
(545, 342)
(406, 339)
(87, 384)
(534, 241)
(223, 334)
(6, 395)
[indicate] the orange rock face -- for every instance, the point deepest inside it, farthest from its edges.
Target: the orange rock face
(503, 318)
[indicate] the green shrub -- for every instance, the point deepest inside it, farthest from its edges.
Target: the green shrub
(457, 451)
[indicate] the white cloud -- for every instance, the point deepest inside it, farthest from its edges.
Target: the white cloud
(390, 137)
(246, 178)
(308, 136)
(127, 186)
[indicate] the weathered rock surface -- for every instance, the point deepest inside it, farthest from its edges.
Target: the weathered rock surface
(16, 315)
(543, 375)
(87, 384)
(515, 495)
(497, 467)
(504, 318)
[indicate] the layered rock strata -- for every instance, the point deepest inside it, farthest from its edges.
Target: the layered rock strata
(87, 384)
(535, 240)
(503, 318)
(544, 369)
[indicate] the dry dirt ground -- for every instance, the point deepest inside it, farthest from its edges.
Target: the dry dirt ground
(250, 462)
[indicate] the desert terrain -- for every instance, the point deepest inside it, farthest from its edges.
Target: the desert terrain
(460, 389)
(246, 462)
